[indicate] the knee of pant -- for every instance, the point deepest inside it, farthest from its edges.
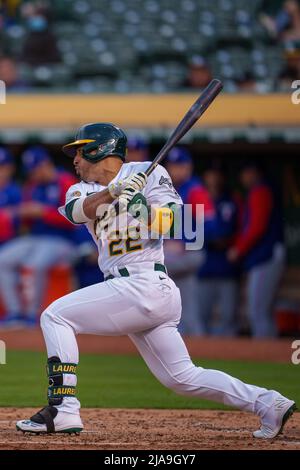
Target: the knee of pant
(47, 316)
(174, 383)
(178, 387)
(186, 382)
(53, 313)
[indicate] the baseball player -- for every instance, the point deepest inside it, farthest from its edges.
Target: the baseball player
(48, 237)
(259, 248)
(183, 264)
(10, 197)
(137, 299)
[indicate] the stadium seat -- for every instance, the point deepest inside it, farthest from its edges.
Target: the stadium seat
(112, 38)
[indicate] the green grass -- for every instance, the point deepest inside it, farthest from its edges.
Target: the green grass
(108, 381)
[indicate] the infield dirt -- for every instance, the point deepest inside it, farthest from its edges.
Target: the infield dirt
(114, 429)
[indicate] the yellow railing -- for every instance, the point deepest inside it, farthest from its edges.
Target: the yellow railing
(145, 111)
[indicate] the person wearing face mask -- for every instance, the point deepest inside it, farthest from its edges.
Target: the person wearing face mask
(40, 45)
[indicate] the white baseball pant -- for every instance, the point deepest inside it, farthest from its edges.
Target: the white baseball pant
(146, 306)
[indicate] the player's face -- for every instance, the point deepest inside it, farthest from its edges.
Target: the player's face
(84, 169)
(101, 172)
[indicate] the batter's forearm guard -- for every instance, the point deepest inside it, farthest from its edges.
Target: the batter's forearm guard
(75, 213)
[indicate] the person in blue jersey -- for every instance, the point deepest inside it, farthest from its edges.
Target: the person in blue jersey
(259, 247)
(217, 277)
(183, 264)
(46, 239)
(10, 197)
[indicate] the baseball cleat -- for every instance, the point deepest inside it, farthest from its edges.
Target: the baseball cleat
(50, 420)
(273, 422)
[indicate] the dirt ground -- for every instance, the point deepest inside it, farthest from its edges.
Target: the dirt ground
(113, 429)
(151, 429)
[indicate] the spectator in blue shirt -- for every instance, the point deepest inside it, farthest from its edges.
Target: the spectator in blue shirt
(10, 197)
(183, 264)
(217, 276)
(48, 239)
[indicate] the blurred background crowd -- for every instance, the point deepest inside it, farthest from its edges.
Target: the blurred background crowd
(245, 280)
(150, 45)
(228, 288)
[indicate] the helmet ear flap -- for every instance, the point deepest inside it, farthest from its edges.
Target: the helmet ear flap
(88, 148)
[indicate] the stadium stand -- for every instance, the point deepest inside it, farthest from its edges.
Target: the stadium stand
(129, 46)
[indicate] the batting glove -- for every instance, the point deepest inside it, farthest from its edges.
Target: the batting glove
(136, 182)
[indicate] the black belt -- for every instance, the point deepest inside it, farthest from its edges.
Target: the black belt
(124, 271)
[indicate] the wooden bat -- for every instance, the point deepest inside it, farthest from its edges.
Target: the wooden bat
(194, 113)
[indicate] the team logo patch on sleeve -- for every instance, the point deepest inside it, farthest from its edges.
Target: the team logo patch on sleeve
(164, 180)
(76, 194)
(168, 182)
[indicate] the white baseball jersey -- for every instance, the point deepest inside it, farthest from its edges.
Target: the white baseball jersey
(158, 191)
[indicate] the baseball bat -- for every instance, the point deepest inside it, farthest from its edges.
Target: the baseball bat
(193, 114)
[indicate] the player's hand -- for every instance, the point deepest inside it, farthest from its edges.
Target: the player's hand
(136, 182)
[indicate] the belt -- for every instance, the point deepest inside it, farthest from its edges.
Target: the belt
(125, 273)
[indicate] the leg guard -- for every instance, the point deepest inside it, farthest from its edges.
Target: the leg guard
(57, 390)
(52, 419)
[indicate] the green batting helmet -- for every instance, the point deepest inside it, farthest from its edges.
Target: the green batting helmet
(103, 137)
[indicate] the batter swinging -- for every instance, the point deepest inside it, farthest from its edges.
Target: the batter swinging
(137, 298)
